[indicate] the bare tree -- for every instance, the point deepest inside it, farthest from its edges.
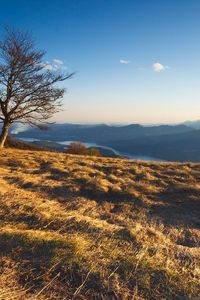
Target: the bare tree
(28, 91)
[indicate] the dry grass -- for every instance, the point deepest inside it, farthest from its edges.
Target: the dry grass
(96, 228)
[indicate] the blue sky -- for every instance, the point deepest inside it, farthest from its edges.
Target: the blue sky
(137, 61)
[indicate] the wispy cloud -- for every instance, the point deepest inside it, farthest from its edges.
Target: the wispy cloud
(47, 66)
(17, 128)
(55, 65)
(58, 61)
(158, 67)
(124, 61)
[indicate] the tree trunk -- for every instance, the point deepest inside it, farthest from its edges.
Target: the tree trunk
(4, 134)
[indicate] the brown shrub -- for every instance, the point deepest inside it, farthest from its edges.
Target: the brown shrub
(80, 149)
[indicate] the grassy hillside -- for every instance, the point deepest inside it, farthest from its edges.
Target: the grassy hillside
(16, 144)
(77, 227)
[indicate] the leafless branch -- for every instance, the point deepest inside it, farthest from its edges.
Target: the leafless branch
(28, 92)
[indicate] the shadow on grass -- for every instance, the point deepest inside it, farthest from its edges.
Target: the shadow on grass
(36, 257)
(178, 206)
(64, 192)
(41, 261)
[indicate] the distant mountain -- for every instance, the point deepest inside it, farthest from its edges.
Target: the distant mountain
(100, 133)
(193, 124)
(167, 142)
(174, 147)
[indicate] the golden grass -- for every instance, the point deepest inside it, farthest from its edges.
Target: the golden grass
(76, 227)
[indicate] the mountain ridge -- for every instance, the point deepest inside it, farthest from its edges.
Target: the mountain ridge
(100, 133)
(181, 141)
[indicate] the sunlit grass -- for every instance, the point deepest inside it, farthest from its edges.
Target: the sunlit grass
(77, 227)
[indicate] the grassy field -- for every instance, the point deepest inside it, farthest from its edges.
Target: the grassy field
(77, 227)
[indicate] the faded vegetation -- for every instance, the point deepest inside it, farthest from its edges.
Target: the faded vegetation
(81, 149)
(97, 228)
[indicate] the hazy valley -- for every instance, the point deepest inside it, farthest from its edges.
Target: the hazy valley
(161, 142)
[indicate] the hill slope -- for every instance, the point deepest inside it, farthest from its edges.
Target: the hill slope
(17, 144)
(174, 147)
(97, 228)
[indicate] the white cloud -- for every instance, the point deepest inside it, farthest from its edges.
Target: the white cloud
(56, 65)
(158, 67)
(124, 61)
(47, 66)
(58, 61)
